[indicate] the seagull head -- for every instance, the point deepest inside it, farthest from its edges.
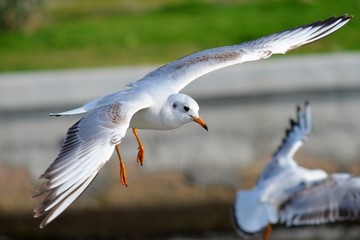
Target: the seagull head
(185, 109)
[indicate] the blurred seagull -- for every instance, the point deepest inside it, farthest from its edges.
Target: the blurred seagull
(153, 102)
(293, 195)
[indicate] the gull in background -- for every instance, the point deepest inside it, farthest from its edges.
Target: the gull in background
(287, 193)
(153, 102)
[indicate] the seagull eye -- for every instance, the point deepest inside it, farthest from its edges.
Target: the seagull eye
(186, 108)
(174, 105)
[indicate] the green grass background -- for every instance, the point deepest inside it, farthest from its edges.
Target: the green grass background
(92, 33)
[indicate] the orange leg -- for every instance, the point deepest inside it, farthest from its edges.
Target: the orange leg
(140, 156)
(122, 167)
(267, 232)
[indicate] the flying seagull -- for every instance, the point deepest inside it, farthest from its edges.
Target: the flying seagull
(287, 193)
(153, 102)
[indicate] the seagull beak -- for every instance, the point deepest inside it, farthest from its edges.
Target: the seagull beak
(201, 122)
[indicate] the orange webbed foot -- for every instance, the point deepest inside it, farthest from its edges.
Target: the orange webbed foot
(123, 174)
(267, 232)
(141, 151)
(140, 156)
(123, 177)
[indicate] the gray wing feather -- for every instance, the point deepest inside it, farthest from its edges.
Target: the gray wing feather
(294, 138)
(336, 198)
(181, 72)
(298, 133)
(88, 146)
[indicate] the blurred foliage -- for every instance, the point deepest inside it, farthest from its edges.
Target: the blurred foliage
(23, 15)
(94, 33)
(68, 8)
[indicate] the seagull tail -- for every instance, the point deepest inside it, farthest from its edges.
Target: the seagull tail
(251, 216)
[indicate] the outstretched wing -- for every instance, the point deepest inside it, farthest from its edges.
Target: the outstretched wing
(179, 73)
(293, 140)
(251, 212)
(298, 133)
(88, 146)
(336, 198)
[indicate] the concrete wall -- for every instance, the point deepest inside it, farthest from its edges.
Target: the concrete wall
(247, 108)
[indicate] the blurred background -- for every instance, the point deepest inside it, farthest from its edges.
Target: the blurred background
(58, 54)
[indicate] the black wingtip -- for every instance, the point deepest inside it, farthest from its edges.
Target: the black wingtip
(343, 17)
(346, 16)
(330, 20)
(292, 122)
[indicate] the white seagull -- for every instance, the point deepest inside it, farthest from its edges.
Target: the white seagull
(287, 193)
(153, 102)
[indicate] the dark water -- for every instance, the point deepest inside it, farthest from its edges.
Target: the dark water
(329, 232)
(195, 223)
(307, 233)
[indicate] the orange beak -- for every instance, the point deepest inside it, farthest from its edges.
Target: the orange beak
(201, 122)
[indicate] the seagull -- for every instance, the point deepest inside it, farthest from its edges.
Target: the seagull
(289, 194)
(153, 102)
